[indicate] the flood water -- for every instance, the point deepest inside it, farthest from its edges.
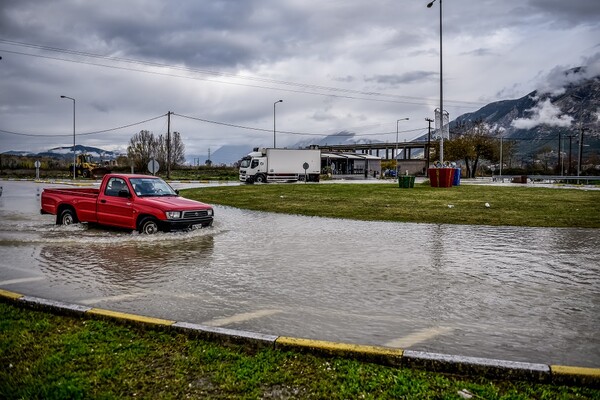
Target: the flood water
(521, 294)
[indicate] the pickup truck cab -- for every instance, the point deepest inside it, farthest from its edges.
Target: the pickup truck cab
(138, 202)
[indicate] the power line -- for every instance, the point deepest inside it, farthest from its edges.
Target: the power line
(81, 134)
(419, 100)
(290, 132)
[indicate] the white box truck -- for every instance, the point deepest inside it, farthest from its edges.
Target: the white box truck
(281, 165)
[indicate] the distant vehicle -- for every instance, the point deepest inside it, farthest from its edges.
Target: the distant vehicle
(85, 167)
(281, 165)
(138, 202)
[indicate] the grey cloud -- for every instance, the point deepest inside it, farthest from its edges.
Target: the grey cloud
(567, 13)
(394, 80)
(481, 52)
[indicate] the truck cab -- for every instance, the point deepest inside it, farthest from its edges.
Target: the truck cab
(253, 168)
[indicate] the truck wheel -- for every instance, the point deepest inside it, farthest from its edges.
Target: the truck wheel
(148, 226)
(86, 173)
(260, 179)
(66, 217)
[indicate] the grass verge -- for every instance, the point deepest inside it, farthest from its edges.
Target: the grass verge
(56, 357)
(510, 206)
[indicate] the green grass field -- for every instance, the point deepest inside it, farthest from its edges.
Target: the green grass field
(512, 206)
(44, 356)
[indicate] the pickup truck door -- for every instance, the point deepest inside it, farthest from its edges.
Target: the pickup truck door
(114, 209)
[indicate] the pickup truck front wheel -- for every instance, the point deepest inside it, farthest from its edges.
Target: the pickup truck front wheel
(66, 217)
(148, 226)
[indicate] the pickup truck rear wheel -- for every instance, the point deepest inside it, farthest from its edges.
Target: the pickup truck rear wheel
(148, 226)
(66, 217)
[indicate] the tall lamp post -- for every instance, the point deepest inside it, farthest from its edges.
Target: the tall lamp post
(429, 5)
(274, 130)
(74, 157)
(396, 156)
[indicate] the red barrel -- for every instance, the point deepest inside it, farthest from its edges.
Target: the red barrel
(441, 177)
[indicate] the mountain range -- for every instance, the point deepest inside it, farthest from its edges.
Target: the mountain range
(67, 153)
(537, 120)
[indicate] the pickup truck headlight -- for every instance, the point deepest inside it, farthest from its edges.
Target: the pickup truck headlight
(210, 212)
(173, 214)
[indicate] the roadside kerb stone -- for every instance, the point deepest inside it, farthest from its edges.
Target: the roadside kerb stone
(225, 335)
(491, 368)
(375, 354)
(55, 306)
(575, 376)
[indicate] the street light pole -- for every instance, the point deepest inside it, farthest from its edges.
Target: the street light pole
(441, 88)
(396, 156)
(274, 131)
(74, 157)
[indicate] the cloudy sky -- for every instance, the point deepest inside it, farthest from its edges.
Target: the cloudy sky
(338, 65)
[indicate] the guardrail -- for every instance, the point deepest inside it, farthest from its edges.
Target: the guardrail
(545, 179)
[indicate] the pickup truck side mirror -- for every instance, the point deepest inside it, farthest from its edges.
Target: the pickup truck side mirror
(124, 193)
(177, 191)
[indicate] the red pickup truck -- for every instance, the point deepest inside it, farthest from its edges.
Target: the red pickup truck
(137, 202)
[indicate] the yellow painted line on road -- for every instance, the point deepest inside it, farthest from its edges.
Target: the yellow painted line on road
(335, 347)
(130, 317)
(10, 295)
(241, 317)
(575, 371)
(22, 280)
(111, 298)
(419, 336)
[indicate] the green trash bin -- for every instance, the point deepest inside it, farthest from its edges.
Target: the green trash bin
(406, 181)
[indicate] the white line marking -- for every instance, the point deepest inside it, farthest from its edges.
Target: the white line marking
(22, 280)
(241, 317)
(419, 336)
(111, 298)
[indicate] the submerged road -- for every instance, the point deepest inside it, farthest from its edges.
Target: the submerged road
(520, 294)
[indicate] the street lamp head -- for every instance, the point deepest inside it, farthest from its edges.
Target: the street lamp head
(279, 101)
(430, 4)
(63, 97)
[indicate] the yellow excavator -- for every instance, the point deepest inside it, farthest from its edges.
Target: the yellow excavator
(87, 168)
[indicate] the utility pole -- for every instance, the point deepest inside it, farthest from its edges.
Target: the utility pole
(429, 120)
(570, 168)
(580, 155)
(559, 163)
(169, 145)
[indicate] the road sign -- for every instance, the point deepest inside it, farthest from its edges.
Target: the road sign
(153, 166)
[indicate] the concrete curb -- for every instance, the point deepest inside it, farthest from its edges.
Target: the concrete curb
(458, 365)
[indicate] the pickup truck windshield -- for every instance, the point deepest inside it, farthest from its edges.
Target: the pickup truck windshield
(151, 187)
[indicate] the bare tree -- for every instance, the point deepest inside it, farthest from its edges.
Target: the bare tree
(144, 146)
(177, 150)
(141, 149)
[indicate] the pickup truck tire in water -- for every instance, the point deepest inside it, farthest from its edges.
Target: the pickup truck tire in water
(148, 225)
(66, 217)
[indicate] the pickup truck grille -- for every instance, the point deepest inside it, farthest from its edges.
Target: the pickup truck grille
(195, 214)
